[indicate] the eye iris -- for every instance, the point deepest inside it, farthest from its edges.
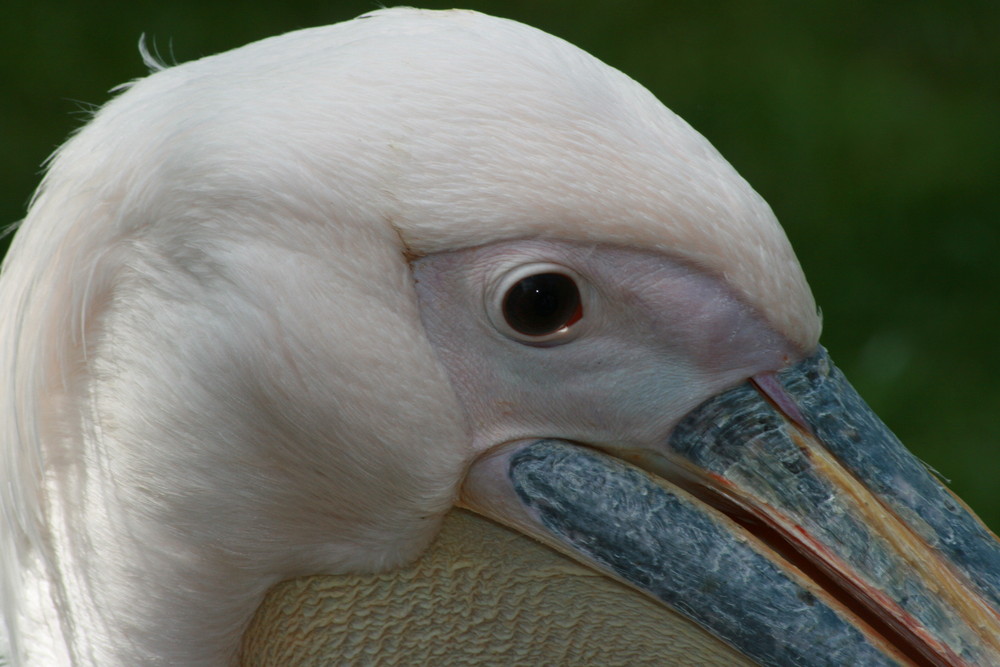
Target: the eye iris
(542, 304)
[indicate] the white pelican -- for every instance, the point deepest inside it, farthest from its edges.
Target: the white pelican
(274, 312)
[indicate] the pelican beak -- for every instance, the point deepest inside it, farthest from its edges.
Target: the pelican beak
(782, 515)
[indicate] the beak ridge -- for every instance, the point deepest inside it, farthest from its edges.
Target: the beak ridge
(781, 515)
(843, 421)
(668, 545)
(844, 495)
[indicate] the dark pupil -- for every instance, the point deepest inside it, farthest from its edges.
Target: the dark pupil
(542, 304)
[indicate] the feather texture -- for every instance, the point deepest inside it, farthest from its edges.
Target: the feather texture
(210, 334)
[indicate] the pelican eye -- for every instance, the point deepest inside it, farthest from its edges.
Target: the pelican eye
(542, 304)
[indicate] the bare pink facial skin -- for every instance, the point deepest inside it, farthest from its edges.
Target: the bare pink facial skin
(657, 337)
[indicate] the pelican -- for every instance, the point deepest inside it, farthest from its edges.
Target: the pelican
(276, 312)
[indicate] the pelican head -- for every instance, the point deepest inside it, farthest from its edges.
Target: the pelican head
(275, 312)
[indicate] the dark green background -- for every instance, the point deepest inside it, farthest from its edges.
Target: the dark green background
(873, 130)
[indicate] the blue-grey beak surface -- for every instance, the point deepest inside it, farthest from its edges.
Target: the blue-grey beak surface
(783, 516)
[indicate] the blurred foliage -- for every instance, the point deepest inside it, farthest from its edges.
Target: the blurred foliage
(872, 129)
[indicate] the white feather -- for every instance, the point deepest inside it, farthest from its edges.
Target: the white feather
(215, 372)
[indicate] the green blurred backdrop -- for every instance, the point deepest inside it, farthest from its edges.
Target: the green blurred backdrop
(872, 129)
